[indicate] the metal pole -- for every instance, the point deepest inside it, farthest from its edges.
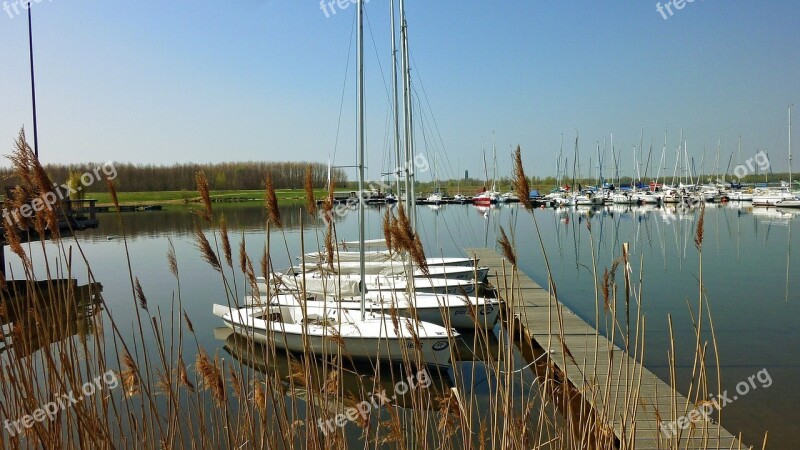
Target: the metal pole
(396, 105)
(360, 101)
(33, 84)
(409, 131)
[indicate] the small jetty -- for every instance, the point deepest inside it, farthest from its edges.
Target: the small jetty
(614, 387)
(73, 215)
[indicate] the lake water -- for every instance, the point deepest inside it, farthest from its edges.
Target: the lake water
(750, 264)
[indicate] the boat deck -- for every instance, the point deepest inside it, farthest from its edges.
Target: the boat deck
(614, 384)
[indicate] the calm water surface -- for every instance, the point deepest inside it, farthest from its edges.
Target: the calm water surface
(750, 264)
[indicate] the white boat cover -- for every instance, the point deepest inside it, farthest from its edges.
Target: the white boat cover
(369, 243)
(388, 268)
(373, 256)
(319, 286)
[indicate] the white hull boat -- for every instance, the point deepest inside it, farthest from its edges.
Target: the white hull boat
(770, 199)
(456, 311)
(292, 283)
(788, 203)
(624, 199)
(385, 256)
(374, 338)
(396, 268)
(738, 196)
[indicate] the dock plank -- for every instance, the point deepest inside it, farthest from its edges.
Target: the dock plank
(615, 384)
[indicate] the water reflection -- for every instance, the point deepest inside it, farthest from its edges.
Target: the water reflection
(749, 275)
(38, 314)
(353, 383)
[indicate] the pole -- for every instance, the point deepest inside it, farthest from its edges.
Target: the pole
(396, 105)
(361, 199)
(410, 195)
(33, 84)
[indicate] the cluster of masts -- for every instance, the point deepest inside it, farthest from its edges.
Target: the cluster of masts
(373, 304)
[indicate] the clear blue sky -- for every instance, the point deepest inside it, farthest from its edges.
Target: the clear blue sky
(163, 82)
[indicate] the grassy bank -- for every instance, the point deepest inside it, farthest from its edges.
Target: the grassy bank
(181, 197)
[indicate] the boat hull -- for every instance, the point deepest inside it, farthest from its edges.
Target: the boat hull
(463, 313)
(430, 350)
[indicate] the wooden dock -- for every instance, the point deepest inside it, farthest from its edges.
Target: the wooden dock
(628, 398)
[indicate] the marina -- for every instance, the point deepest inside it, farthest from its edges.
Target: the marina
(662, 236)
(318, 269)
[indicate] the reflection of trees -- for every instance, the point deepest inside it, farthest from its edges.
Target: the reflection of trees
(36, 314)
(178, 220)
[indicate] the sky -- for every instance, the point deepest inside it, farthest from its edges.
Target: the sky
(274, 80)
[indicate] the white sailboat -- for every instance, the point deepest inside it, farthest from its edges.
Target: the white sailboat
(385, 256)
(478, 274)
(372, 336)
(452, 310)
(375, 283)
(793, 202)
(308, 328)
(782, 195)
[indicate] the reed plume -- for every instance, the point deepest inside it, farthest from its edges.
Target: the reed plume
(259, 396)
(172, 260)
(450, 414)
(521, 184)
(183, 375)
(402, 234)
(404, 239)
(311, 201)
(331, 384)
(271, 200)
(235, 382)
(189, 325)
(130, 378)
(506, 248)
(202, 188)
(418, 255)
(112, 191)
(211, 376)
(327, 205)
(202, 244)
(264, 266)
(140, 294)
(329, 250)
(698, 237)
(19, 198)
(14, 242)
(43, 187)
(20, 158)
(226, 242)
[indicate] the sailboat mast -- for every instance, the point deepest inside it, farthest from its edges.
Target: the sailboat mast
(494, 164)
(614, 156)
(790, 148)
(641, 156)
(560, 156)
(575, 161)
(662, 161)
(396, 105)
(409, 132)
(603, 160)
(739, 151)
(361, 135)
(33, 85)
(599, 164)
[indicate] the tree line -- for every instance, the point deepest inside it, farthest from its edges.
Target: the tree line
(249, 175)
